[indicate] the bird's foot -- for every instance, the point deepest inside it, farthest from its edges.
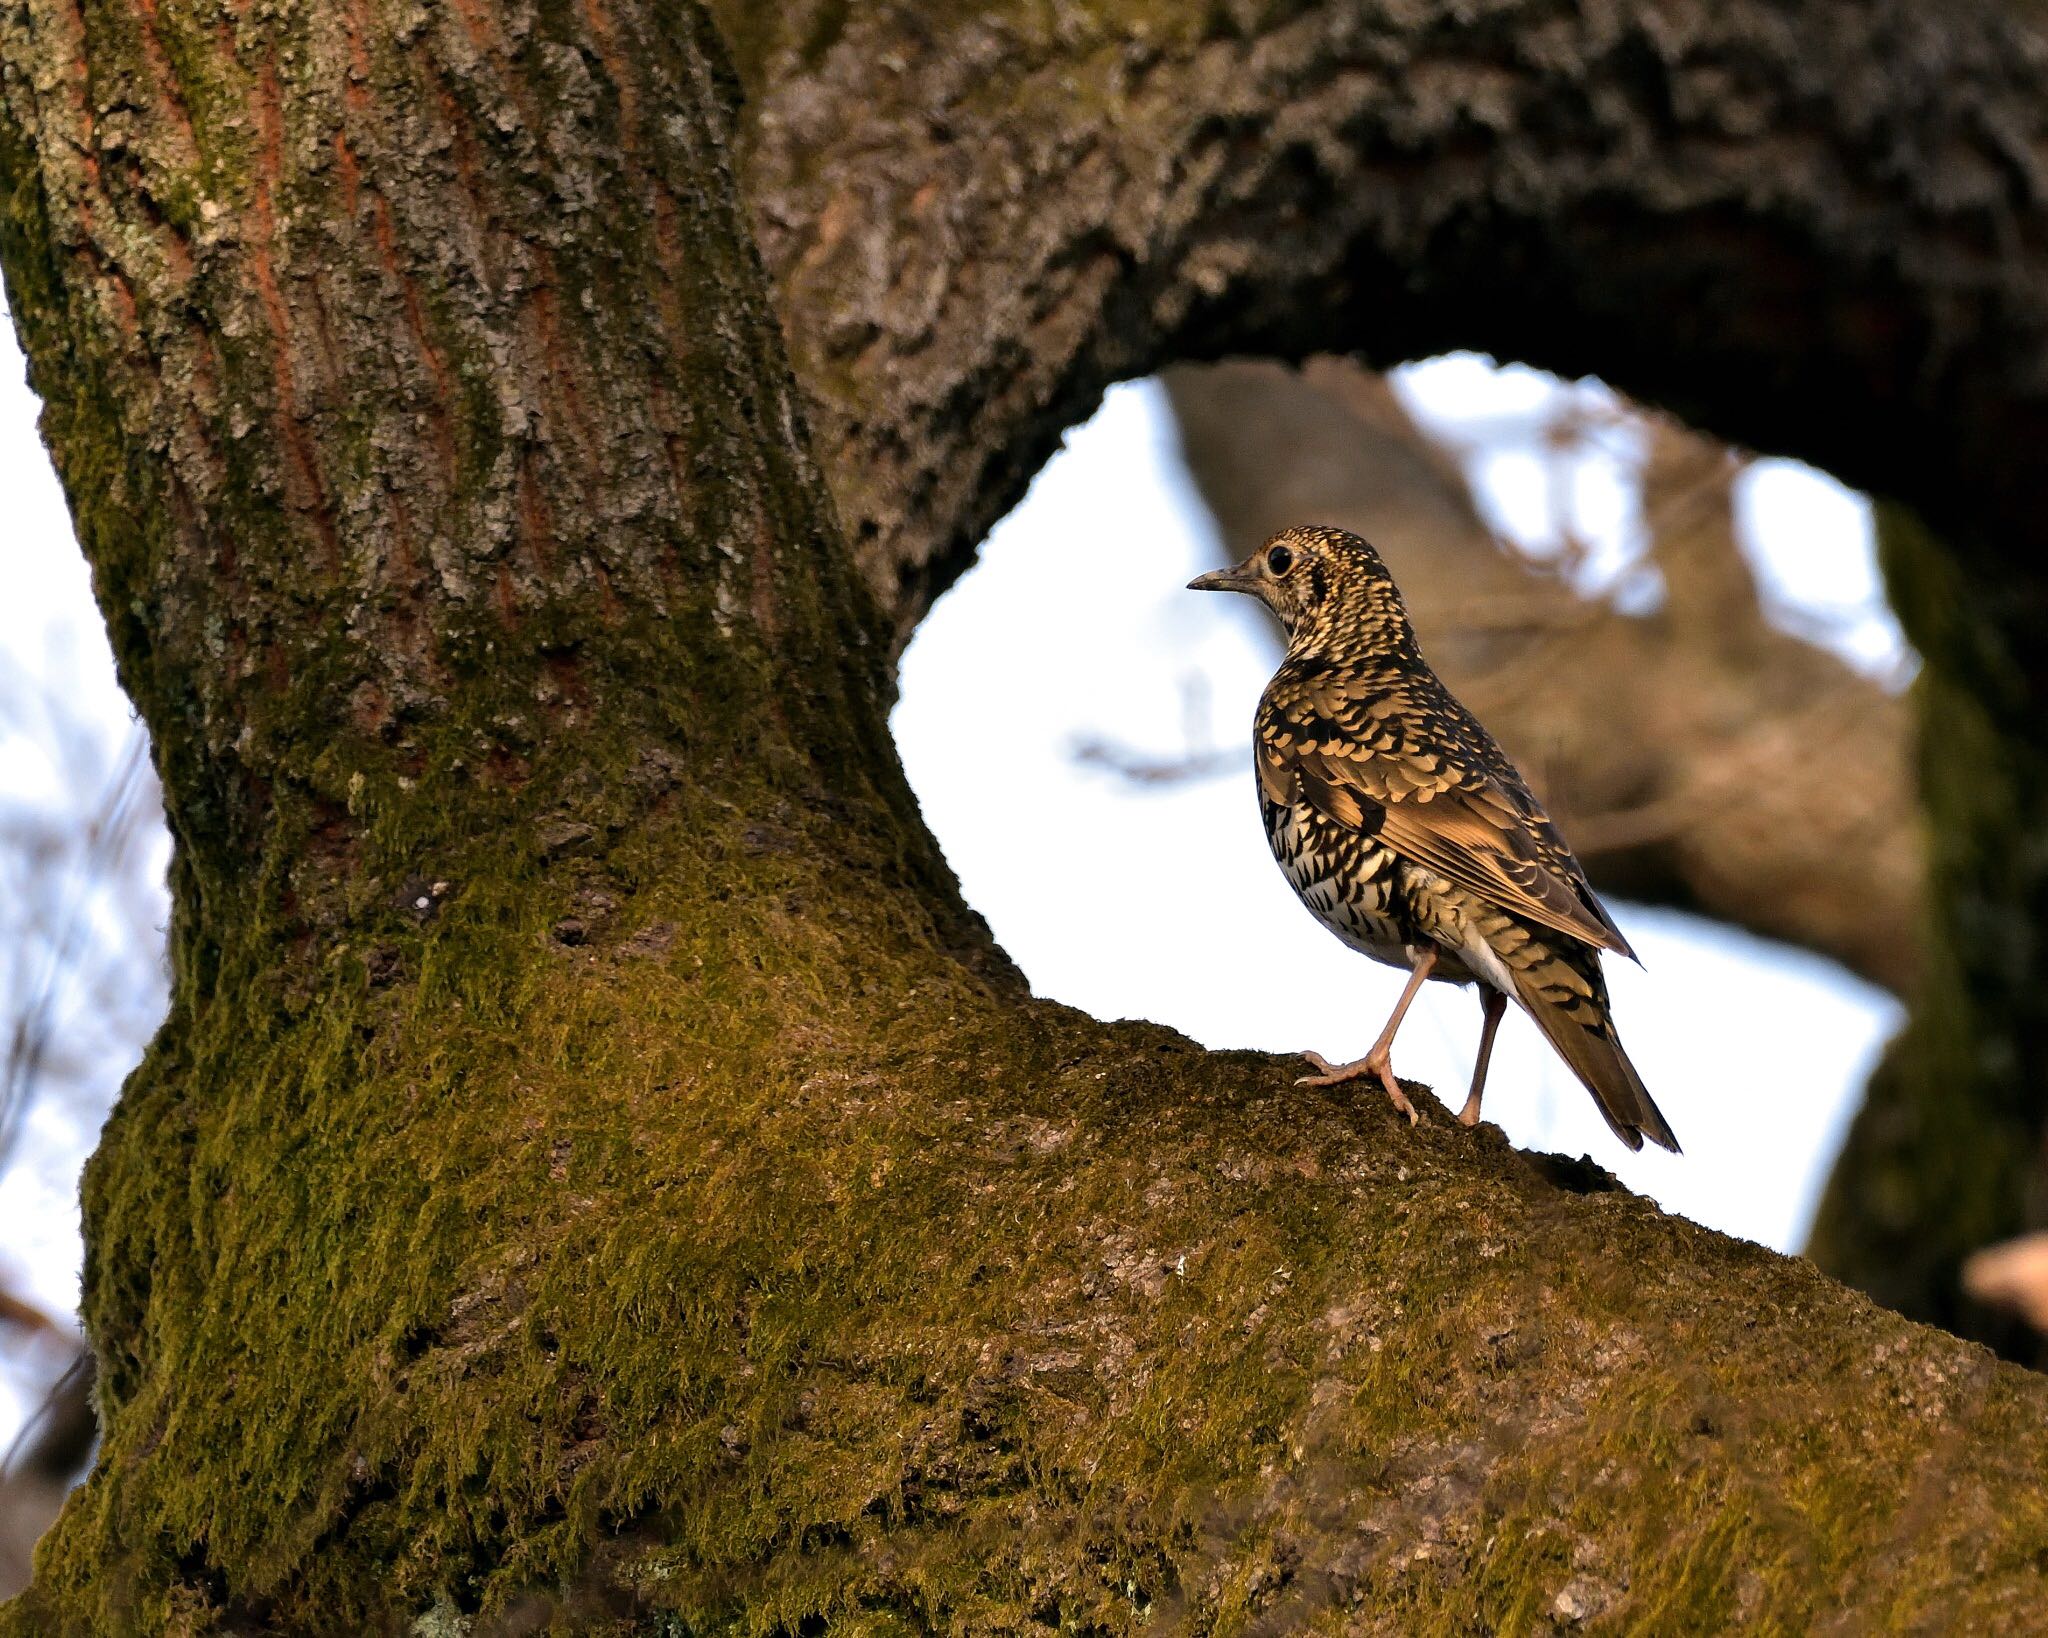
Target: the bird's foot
(1335, 1074)
(1373, 1063)
(1394, 1092)
(1469, 1115)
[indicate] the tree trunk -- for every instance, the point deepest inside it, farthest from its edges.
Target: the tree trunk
(1949, 1153)
(593, 1165)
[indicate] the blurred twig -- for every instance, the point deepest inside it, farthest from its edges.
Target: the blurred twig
(1199, 758)
(1145, 768)
(82, 985)
(53, 1447)
(58, 921)
(2013, 1275)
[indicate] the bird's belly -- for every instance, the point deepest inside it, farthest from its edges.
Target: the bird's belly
(1346, 881)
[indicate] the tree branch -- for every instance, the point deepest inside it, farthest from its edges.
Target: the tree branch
(1815, 229)
(1809, 228)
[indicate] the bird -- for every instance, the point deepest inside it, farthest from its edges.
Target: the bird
(1408, 833)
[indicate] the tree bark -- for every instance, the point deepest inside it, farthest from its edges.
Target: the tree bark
(594, 1168)
(1812, 228)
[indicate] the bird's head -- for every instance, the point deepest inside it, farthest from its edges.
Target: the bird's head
(1329, 588)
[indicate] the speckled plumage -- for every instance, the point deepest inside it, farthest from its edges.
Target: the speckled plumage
(1410, 835)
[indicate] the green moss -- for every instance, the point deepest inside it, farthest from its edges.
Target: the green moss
(746, 1263)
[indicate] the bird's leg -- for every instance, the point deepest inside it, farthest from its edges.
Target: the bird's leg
(1491, 1005)
(1380, 1060)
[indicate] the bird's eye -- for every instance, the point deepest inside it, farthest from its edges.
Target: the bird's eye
(1279, 560)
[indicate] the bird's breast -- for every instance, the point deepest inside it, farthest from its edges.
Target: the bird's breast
(1347, 881)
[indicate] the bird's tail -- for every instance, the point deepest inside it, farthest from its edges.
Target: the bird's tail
(1586, 1040)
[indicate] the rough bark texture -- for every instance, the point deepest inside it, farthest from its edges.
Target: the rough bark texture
(1811, 227)
(593, 1168)
(1696, 756)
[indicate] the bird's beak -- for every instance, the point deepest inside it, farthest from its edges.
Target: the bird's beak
(1240, 578)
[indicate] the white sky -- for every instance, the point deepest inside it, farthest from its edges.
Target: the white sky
(1164, 903)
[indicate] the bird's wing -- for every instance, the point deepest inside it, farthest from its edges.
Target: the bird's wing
(1408, 769)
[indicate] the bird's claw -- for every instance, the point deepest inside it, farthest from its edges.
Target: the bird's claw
(1337, 1074)
(1330, 1074)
